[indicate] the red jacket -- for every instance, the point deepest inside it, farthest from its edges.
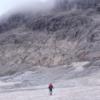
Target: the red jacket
(50, 86)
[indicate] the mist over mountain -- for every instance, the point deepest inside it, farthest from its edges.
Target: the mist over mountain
(76, 4)
(70, 32)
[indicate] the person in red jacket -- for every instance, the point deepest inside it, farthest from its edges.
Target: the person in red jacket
(50, 87)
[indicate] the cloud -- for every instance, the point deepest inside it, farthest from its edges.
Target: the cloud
(7, 5)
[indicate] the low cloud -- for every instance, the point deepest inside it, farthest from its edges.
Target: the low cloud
(34, 5)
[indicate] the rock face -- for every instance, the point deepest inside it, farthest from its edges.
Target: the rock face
(49, 40)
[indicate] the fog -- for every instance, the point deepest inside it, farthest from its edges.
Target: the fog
(34, 5)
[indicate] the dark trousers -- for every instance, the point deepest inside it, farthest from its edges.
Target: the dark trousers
(50, 91)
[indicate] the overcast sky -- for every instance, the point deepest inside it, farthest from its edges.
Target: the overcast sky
(7, 5)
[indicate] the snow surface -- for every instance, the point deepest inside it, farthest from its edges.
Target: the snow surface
(70, 83)
(75, 93)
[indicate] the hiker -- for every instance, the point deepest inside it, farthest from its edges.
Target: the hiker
(50, 87)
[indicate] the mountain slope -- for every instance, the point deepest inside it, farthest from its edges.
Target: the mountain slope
(52, 39)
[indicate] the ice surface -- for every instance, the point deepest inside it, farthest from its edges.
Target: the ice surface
(75, 93)
(69, 84)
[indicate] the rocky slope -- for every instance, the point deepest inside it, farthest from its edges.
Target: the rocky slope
(53, 39)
